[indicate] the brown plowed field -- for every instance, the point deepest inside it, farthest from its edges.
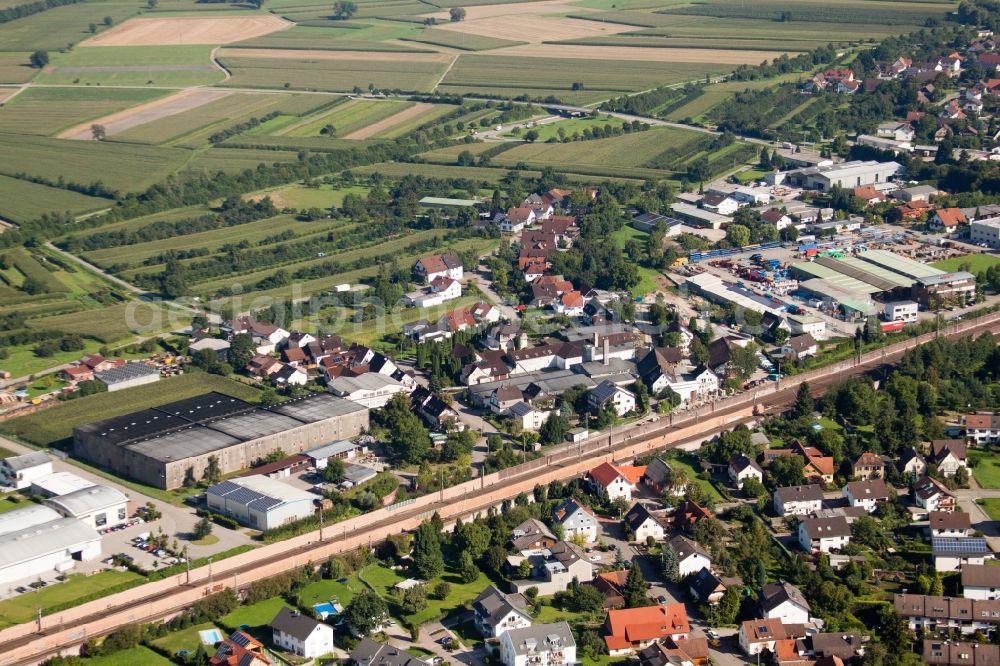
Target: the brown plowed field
(188, 30)
(145, 113)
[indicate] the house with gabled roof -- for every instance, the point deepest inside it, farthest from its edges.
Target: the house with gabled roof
(643, 523)
(742, 468)
(784, 601)
(433, 266)
(240, 649)
(495, 612)
(615, 481)
(949, 219)
(532, 534)
(866, 494)
(931, 495)
(948, 455)
(576, 519)
(868, 466)
(658, 477)
(301, 634)
(798, 500)
(631, 629)
(691, 557)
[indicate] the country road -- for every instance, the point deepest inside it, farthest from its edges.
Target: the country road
(29, 644)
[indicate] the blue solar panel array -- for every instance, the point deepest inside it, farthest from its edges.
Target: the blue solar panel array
(245, 496)
(960, 545)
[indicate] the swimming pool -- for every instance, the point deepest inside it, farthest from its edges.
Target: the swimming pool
(324, 609)
(210, 636)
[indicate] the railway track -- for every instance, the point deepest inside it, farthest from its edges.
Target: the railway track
(59, 637)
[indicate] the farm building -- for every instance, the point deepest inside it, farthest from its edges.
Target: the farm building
(127, 376)
(260, 502)
(162, 446)
(37, 540)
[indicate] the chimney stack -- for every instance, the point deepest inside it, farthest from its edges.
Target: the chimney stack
(607, 351)
(597, 339)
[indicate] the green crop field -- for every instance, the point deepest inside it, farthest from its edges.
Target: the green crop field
(48, 111)
(15, 68)
(461, 40)
(119, 166)
(767, 30)
(55, 424)
(21, 201)
(195, 125)
(630, 150)
(450, 154)
(365, 37)
(410, 124)
(133, 66)
(346, 118)
(314, 143)
(234, 160)
(339, 74)
(56, 28)
(573, 126)
(110, 324)
(820, 11)
(558, 74)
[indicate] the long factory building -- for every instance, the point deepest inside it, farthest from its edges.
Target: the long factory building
(852, 281)
(162, 446)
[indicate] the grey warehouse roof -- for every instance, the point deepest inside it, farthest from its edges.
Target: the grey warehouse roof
(331, 449)
(29, 516)
(41, 540)
(83, 501)
(28, 460)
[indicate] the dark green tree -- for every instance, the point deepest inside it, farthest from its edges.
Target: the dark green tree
(366, 612)
(634, 590)
(428, 562)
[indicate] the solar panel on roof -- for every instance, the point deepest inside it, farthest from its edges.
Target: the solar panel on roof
(960, 545)
(240, 639)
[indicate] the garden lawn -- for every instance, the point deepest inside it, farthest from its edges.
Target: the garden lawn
(692, 475)
(137, 655)
(322, 591)
(985, 467)
(23, 607)
(977, 263)
(255, 615)
(185, 639)
(991, 506)
(461, 594)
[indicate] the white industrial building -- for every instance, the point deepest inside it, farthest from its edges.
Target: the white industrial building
(18, 472)
(36, 540)
(372, 389)
(260, 502)
(127, 376)
(60, 483)
(845, 174)
(97, 506)
(986, 232)
(905, 311)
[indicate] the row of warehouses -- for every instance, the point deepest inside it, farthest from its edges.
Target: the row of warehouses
(854, 281)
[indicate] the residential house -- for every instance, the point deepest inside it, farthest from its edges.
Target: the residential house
(799, 347)
(756, 636)
(607, 392)
(798, 500)
(290, 375)
(870, 195)
(952, 553)
(949, 523)
(837, 647)
(503, 398)
(265, 336)
(721, 204)
(19, 472)
(528, 417)
(614, 481)
(691, 557)
(947, 614)
(299, 339)
(515, 219)
(742, 468)
(433, 266)
(79, 373)
(981, 582)
(777, 217)
(532, 534)
(785, 602)
(688, 514)
(939, 652)
(818, 468)
(644, 523)
(948, 455)
(866, 494)
(630, 629)
(97, 363)
(540, 645)
(661, 479)
(373, 390)
(932, 496)
(570, 304)
(668, 652)
(495, 612)
(911, 462)
(710, 588)
(868, 466)
(506, 337)
(552, 569)
(895, 130)
(240, 649)
(611, 584)
(264, 366)
(947, 219)
(823, 535)
(576, 520)
(435, 411)
(370, 653)
(301, 635)
(295, 356)
(982, 428)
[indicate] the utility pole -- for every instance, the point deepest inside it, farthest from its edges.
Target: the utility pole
(210, 574)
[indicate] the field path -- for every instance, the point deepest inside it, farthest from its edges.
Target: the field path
(390, 122)
(146, 113)
(445, 73)
(219, 65)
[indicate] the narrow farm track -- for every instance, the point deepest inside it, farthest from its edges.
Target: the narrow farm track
(30, 644)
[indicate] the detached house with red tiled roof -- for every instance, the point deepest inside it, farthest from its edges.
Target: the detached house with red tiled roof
(434, 266)
(240, 649)
(948, 219)
(631, 629)
(615, 481)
